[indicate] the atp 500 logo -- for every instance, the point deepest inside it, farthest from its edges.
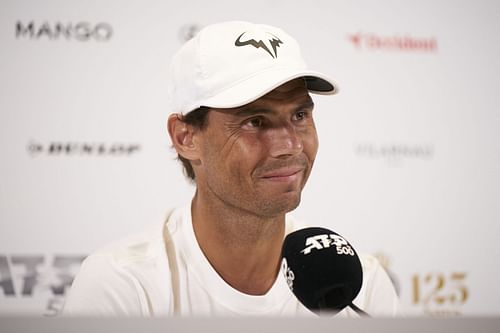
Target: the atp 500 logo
(320, 242)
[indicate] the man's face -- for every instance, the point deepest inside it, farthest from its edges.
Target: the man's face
(258, 157)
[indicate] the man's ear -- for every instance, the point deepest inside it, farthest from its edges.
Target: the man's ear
(181, 135)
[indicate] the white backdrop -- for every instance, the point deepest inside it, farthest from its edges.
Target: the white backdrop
(409, 159)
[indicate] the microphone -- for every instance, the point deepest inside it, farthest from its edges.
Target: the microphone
(322, 269)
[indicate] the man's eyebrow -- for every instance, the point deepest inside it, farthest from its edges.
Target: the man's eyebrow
(309, 104)
(246, 111)
(250, 111)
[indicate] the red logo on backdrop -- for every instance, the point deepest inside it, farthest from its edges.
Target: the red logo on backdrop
(371, 41)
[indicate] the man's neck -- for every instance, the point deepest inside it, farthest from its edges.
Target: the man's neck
(242, 247)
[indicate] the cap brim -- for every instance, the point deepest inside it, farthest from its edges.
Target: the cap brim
(256, 86)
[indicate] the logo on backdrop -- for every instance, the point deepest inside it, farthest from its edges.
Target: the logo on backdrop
(24, 278)
(440, 294)
(371, 41)
(188, 31)
(395, 153)
(80, 31)
(65, 148)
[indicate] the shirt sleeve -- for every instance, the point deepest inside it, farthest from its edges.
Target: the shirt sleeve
(378, 292)
(103, 288)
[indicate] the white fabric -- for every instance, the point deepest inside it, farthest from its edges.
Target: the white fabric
(163, 272)
(230, 64)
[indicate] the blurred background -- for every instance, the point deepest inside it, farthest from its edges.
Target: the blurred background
(409, 160)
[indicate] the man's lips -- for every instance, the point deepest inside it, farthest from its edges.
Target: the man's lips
(284, 174)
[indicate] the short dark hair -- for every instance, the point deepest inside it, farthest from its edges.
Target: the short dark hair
(198, 119)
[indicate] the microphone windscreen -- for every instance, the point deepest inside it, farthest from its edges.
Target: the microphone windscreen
(322, 269)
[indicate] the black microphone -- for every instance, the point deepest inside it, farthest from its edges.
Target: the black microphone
(322, 269)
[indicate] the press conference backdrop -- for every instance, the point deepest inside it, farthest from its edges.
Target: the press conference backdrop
(409, 160)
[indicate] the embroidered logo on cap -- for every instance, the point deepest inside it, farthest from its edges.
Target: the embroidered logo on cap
(272, 42)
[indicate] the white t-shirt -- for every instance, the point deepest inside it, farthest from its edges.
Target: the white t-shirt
(163, 272)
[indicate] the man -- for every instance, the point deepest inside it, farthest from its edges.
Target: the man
(242, 125)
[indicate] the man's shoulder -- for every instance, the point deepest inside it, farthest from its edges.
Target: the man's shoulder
(127, 256)
(123, 277)
(133, 247)
(145, 244)
(378, 294)
(368, 261)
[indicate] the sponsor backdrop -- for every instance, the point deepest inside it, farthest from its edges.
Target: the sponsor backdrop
(409, 159)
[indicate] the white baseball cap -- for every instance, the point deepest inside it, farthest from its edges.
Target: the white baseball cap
(231, 64)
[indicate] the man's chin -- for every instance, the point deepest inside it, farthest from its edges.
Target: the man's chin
(280, 206)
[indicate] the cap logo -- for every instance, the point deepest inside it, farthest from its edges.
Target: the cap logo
(271, 42)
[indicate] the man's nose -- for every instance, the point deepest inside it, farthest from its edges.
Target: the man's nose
(285, 141)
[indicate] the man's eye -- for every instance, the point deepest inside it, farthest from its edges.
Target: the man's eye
(255, 122)
(300, 115)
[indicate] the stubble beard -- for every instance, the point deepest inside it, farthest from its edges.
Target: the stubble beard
(254, 199)
(259, 204)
